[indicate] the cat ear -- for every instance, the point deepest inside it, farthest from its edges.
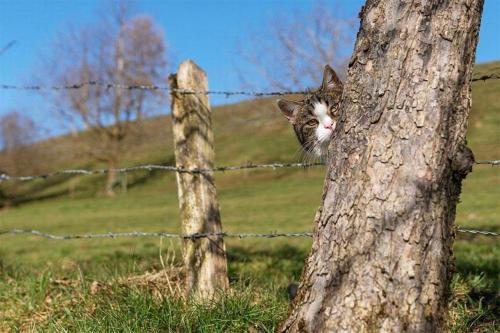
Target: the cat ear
(288, 108)
(330, 79)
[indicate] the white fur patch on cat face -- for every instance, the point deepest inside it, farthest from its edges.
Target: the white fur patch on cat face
(326, 125)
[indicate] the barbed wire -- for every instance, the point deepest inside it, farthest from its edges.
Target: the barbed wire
(152, 87)
(227, 93)
(7, 46)
(480, 232)
(486, 77)
(135, 234)
(170, 168)
(244, 93)
(152, 167)
(492, 162)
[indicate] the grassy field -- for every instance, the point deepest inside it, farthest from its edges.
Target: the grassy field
(122, 285)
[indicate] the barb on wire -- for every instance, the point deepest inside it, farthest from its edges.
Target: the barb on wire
(147, 87)
(195, 236)
(169, 168)
(151, 167)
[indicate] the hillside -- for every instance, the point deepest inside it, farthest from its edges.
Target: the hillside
(251, 201)
(248, 131)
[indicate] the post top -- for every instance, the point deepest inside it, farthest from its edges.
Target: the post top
(191, 76)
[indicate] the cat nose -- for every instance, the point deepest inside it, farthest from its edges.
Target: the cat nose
(328, 125)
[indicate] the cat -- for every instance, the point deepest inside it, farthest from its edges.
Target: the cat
(314, 118)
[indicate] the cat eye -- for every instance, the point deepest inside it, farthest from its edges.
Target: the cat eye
(312, 122)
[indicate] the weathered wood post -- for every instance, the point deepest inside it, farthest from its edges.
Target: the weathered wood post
(204, 258)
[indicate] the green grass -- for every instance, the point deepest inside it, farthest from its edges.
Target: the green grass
(47, 285)
(76, 306)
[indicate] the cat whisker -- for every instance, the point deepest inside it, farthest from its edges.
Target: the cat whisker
(299, 152)
(305, 152)
(311, 153)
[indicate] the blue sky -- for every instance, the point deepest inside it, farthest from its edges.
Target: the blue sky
(205, 31)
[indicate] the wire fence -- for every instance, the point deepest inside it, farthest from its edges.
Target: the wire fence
(7, 46)
(486, 77)
(76, 86)
(153, 87)
(195, 236)
(170, 168)
(166, 168)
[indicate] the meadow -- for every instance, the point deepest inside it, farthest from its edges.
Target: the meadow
(132, 284)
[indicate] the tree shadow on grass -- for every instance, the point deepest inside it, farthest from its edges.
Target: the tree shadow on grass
(143, 177)
(54, 187)
(488, 267)
(38, 191)
(481, 273)
(282, 263)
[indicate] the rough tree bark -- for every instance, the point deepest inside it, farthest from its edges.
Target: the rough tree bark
(381, 259)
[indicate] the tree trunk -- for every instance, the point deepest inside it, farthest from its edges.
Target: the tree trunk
(381, 259)
(111, 178)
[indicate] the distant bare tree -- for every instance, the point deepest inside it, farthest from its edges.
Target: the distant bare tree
(17, 132)
(117, 49)
(293, 51)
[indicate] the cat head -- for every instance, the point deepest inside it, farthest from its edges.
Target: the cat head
(315, 116)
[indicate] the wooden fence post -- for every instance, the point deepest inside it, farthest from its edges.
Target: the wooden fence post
(205, 258)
